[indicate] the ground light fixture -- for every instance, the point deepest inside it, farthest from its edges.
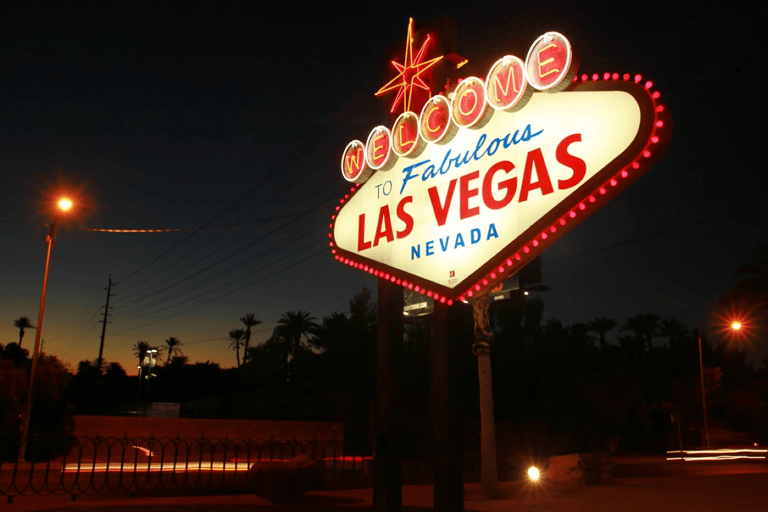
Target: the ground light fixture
(534, 474)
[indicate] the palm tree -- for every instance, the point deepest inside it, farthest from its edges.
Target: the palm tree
(673, 330)
(140, 350)
(250, 321)
(601, 326)
(22, 323)
(173, 344)
(236, 335)
(643, 326)
(293, 325)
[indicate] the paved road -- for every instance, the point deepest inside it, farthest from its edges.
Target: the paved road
(719, 487)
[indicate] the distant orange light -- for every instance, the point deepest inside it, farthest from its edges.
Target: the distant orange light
(65, 204)
(736, 326)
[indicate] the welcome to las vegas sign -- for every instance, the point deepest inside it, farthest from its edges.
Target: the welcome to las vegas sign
(450, 202)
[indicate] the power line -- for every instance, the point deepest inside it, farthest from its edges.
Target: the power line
(313, 255)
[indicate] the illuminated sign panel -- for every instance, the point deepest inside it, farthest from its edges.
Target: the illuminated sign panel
(494, 183)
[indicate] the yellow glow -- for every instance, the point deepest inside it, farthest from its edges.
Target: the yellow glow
(533, 473)
(736, 326)
(65, 204)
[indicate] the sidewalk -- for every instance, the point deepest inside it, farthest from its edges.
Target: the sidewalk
(717, 493)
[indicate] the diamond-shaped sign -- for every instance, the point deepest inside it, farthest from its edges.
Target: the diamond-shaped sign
(479, 202)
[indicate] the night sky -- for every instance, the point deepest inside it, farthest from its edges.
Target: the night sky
(234, 120)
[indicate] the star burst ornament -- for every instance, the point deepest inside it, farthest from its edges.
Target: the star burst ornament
(409, 72)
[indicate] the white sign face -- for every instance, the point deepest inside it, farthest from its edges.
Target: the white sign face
(460, 209)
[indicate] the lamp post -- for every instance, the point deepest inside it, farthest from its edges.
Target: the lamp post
(703, 393)
(64, 205)
(735, 326)
(150, 361)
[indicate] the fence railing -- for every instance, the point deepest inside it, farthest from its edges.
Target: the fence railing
(109, 465)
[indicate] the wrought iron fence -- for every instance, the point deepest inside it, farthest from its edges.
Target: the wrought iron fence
(109, 465)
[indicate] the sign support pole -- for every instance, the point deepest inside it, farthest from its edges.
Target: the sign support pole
(447, 466)
(388, 464)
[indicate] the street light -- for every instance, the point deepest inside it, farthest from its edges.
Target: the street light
(734, 327)
(703, 394)
(64, 204)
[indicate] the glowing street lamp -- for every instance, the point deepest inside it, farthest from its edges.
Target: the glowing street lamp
(735, 326)
(64, 205)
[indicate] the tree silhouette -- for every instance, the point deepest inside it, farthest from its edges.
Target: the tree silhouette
(291, 327)
(751, 293)
(140, 350)
(601, 326)
(236, 335)
(643, 326)
(22, 323)
(250, 321)
(173, 348)
(673, 330)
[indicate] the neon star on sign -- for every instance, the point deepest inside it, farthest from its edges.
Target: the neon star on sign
(450, 202)
(409, 72)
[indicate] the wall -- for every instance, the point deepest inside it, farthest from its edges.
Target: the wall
(119, 426)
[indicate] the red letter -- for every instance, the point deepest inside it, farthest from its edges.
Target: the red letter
(403, 216)
(361, 243)
(510, 185)
(441, 212)
(465, 194)
(384, 227)
(575, 163)
(545, 184)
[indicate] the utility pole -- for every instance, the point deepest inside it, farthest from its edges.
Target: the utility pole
(104, 325)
